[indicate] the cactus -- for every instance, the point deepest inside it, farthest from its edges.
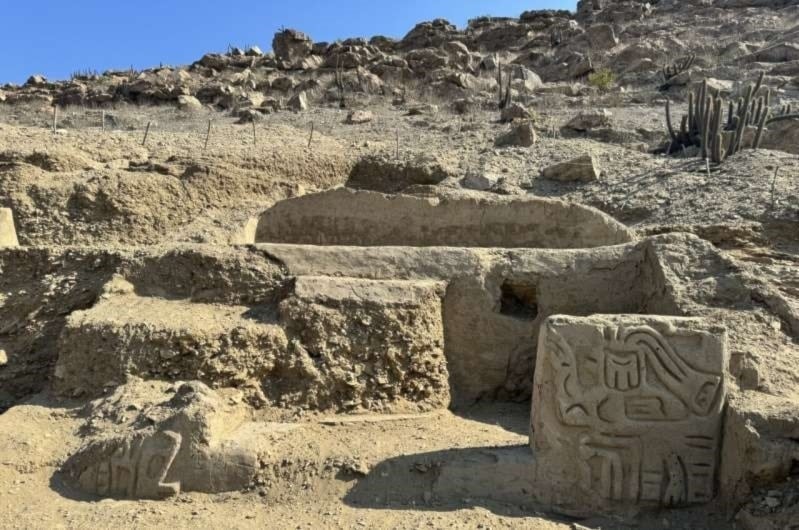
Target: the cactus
(499, 82)
(705, 127)
(340, 82)
(759, 135)
(506, 96)
(785, 113)
(555, 37)
(677, 67)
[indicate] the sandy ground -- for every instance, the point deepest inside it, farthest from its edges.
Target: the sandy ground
(40, 434)
(103, 188)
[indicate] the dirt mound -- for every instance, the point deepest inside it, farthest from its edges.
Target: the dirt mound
(75, 196)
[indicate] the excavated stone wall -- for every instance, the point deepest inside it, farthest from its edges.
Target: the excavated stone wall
(331, 344)
(344, 329)
(363, 218)
(494, 300)
(206, 313)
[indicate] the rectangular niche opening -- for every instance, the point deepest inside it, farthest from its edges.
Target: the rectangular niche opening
(519, 300)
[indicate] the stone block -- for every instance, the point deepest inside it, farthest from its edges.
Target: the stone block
(580, 169)
(8, 233)
(627, 411)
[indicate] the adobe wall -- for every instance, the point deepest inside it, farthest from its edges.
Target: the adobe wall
(363, 218)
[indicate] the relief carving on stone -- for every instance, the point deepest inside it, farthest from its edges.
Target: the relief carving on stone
(632, 408)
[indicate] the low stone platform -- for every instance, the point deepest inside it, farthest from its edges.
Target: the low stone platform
(331, 343)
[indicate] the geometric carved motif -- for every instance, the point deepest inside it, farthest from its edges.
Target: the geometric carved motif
(135, 468)
(627, 409)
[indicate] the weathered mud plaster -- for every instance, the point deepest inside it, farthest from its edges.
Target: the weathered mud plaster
(347, 217)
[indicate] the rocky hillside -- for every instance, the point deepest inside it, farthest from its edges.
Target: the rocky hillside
(629, 42)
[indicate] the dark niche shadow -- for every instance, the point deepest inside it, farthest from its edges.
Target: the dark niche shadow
(60, 484)
(510, 415)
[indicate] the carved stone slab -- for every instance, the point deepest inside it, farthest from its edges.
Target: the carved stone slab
(627, 411)
(135, 467)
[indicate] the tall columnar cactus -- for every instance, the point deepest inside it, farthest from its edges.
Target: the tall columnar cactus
(785, 113)
(678, 67)
(704, 125)
(340, 83)
(506, 95)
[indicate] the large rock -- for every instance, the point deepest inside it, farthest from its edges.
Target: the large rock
(283, 83)
(36, 81)
(479, 181)
(429, 34)
(72, 94)
(567, 67)
(585, 121)
(637, 51)
(8, 233)
(189, 104)
(298, 102)
(581, 169)
(521, 135)
(351, 56)
(216, 61)
(627, 411)
(361, 80)
(357, 117)
(524, 80)
(514, 111)
(459, 55)
(427, 59)
(383, 43)
(292, 47)
(601, 36)
(387, 174)
(502, 35)
(250, 115)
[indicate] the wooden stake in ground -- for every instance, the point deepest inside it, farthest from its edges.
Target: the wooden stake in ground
(254, 139)
(397, 155)
(103, 118)
(55, 118)
(146, 133)
(207, 136)
(774, 187)
(310, 138)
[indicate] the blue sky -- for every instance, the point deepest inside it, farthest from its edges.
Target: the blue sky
(58, 37)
